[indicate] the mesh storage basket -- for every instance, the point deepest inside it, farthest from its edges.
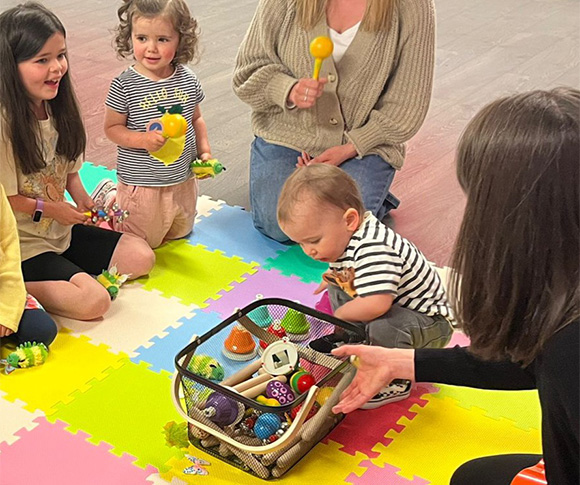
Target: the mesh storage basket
(254, 393)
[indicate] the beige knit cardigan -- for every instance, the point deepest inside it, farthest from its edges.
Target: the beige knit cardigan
(377, 96)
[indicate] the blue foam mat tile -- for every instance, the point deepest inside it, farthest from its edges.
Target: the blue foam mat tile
(231, 230)
(162, 352)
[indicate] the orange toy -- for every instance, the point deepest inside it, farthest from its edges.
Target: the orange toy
(534, 475)
(239, 345)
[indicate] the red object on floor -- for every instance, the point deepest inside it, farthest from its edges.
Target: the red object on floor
(323, 304)
(535, 475)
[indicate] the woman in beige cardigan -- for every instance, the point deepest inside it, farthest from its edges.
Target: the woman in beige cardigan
(372, 96)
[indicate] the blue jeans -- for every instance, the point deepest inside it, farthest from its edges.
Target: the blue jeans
(271, 165)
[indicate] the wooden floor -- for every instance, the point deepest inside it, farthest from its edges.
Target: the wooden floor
(484, 50)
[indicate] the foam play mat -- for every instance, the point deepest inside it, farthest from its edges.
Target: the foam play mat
(96, 411)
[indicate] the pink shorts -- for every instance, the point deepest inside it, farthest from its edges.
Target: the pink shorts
(158, 213)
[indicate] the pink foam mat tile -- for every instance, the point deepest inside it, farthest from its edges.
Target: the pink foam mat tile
(387, 475)
(356, 433)
(50, 455)
(263, 284)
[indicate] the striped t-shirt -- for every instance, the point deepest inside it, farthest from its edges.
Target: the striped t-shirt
(138, 97)
(385, 262)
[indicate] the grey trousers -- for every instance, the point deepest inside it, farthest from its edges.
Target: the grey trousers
(400, 327)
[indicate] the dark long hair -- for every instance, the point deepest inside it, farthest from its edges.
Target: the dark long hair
(517, 253)
(23, 32)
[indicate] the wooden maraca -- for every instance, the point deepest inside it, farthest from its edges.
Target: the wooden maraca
(320, 48)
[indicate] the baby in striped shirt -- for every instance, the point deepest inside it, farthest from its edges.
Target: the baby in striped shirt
(377, 279)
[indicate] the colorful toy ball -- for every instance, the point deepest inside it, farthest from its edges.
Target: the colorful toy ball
(266, 425)
(324, 394)
(301, 381)
(206, 366)
(28, 354)
(280, 391)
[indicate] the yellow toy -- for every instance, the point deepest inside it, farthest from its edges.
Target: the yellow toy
(173, 127)
(320, 48)
(209, 168)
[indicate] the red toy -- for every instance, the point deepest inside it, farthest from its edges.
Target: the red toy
(535, 475)
(301, 381)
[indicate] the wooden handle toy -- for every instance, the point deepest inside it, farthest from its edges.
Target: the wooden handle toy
(242, 374)
(254, 381)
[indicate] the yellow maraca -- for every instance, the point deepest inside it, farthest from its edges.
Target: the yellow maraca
(320, 48)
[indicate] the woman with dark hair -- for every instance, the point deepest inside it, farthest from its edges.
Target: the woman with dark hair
(516, 286)
(372, 96)
(42, 143)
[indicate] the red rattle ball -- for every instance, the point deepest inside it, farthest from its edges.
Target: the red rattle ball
(301, 381)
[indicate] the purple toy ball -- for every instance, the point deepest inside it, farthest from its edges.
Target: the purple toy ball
(220, 409)
(267, 425)
(280, 391)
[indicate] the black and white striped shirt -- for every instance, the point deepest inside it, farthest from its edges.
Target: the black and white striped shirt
(138, 97)
(385, 262)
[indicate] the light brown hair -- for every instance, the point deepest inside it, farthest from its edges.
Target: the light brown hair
(378, 14)
(517, 252)
(325, 183)
(176, 11)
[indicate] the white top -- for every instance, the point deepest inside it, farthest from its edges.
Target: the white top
(342, 41)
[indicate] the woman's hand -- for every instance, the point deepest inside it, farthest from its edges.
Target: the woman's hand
(64, 213)
(335, 155)
(5, 331)
(377, 367)
(306, 92)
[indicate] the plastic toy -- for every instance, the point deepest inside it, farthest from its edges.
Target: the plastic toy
(535, 475)
(280, 391)
(343, 278)
(99, 214)
(320, 48)
(301, 381)
(28, 354)
(274, 329)
(198, 466)
(261, 316)
(280, 358)
(112, 281)
(313, 410)
(267, 425)
(267, 401)
(222, 410)
(206, 169)
(173, 127)
(323, 305)
(296, 325)
(239, 345)
(206, 366)
(324, 394)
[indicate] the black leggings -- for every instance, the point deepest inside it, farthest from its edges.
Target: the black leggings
(493, 470)
(35, 326)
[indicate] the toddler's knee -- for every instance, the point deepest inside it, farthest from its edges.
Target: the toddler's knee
(95, 306)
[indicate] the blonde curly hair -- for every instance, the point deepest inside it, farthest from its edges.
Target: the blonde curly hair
(176, 11)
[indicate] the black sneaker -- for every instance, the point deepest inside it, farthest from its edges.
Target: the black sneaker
(397, 390)
(325, 344)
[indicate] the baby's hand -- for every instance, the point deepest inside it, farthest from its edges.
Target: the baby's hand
(321, 287)
(152, 141)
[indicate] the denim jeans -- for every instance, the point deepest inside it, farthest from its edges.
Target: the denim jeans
(271, 165)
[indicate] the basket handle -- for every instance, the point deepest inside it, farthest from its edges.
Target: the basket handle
(284, 440)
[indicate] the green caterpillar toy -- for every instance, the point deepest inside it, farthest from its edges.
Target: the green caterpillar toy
(203, 170)
(27, 354)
